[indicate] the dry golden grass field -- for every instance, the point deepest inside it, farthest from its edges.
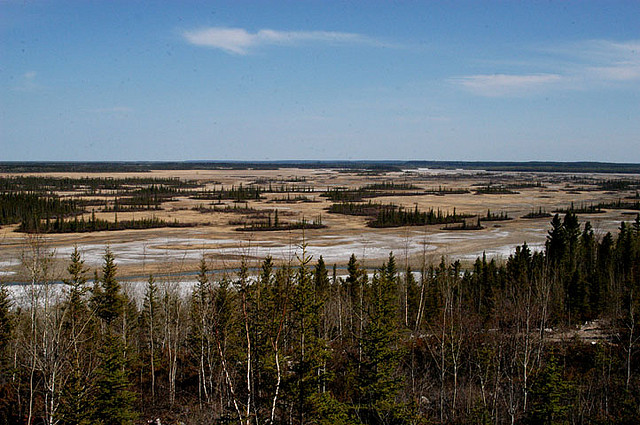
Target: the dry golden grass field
(165, 251)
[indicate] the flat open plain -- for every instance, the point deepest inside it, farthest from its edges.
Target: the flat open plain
(177, 251)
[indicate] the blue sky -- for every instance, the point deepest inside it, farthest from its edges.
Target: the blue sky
(270, 80)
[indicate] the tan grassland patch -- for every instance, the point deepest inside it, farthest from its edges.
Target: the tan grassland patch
(177, 250)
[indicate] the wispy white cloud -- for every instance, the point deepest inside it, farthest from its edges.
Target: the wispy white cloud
(240, 41)
(27, 82)
(577, 66)
(505, 84)
(617, 72)
(113, 110)
(615, 61)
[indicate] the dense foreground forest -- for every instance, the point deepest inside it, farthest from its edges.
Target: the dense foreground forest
(294, 344)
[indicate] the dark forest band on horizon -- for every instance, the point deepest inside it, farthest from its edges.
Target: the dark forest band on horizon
(374, 165)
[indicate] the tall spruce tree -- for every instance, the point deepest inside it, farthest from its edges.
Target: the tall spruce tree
(7, 410)
(310, 347)
(79, 328)
(378, 383)
(114, 401)
(108, 298)
(150, 330)
(556, 241)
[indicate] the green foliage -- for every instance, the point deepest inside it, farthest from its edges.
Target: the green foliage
(390, 215)
(502, 216)
(7, 410)
(371, 191)
(114, 401)
(310, 352)
(551, 396)
(30, 209)
(378, 382)
(62, 225)
(277, 224)
(238, 193)
(6, 324)
(107, 298)
(331, 411)
(310, 348)
(76, 403)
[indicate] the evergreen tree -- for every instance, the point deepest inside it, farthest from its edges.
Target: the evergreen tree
(108, 300)
(150, 330)
(321, 278)
(199, 331)
(114, 401)
(6, 325)
(556, 241)
(378, 383)
(353, 279)
(76, 283)
(7, 409)
(310, 348)
(571, 228)
(76, 393)
(550, 396)
(604, 272)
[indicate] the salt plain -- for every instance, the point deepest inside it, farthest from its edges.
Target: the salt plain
(172, 251)
(369, 245)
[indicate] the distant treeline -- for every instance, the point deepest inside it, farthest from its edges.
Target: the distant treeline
(90, 186)
(464, 226)
(494, 190)
(390, 185)
(285, 188)
(618, 184)
(620, 205)
(295, 198)
(146, 198)
(30, 208)
(582, 209)
(391, 215)
(502, 216)
(237, 208)
(279, 180)
(276, 224)
(50, 214)
(377, 166)
(535, 185)
(372, 191)
(75, 225)
(446, 191)
(238, 193)
(539, 213)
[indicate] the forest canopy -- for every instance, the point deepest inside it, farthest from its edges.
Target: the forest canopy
(543, 337)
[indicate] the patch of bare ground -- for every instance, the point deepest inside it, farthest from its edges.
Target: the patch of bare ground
(591, 332)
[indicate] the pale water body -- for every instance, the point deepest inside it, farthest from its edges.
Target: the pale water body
(8, 264)
(333, 248)
(443, 171)
(502, 252)
(21, 295)
(156, 250)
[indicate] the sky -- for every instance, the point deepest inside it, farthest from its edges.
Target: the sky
(319, 80)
